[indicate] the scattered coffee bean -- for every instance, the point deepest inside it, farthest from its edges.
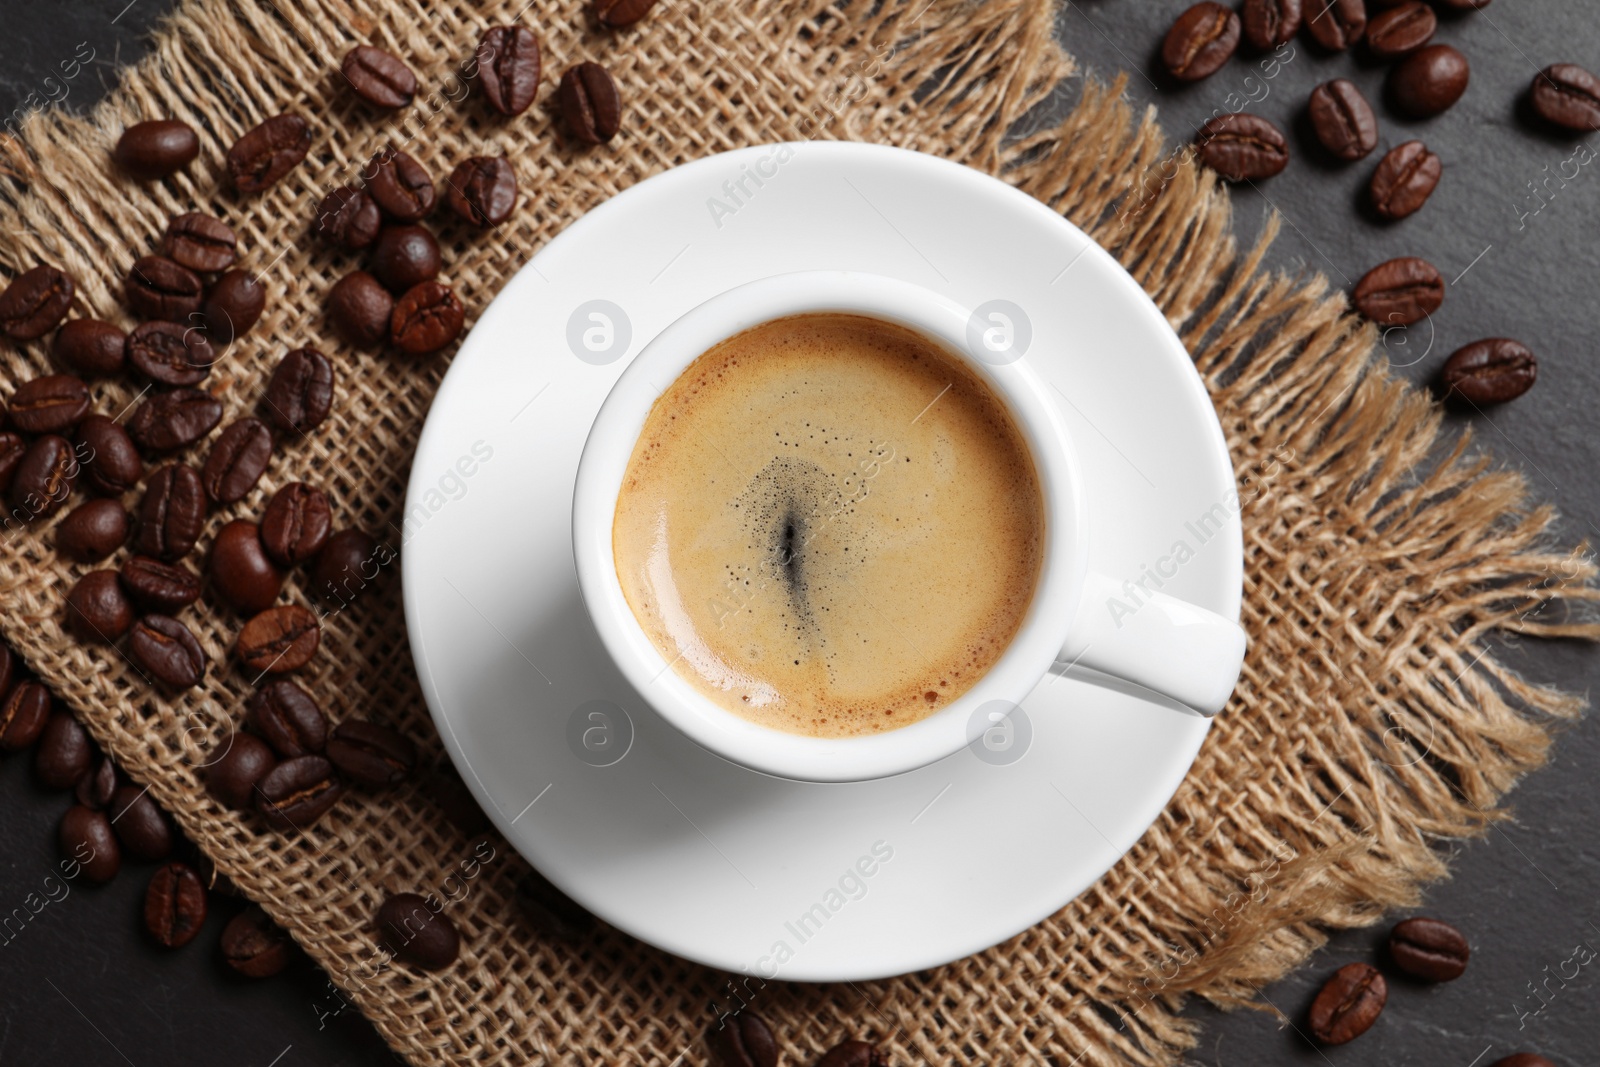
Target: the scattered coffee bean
(170, 353)
(1490, 371)
(1404, 180)
(1200, 42)
(165, 650)
(1428, 81)
(1429, 948)
(23, 713)
(34, 302)
(159, 288)
(140, 826)
(64, 752)
(1242, 147)
(853, 1054)
(1348, 1004)
(615, 14)
(297, 792)
(456, 801)
(155, 149)
(254, 945)
(93, 530)
(1269, 23)
(426, 319)
(111, 463)
(1399, 292)
(349, 218)
(371, 754)
(204, 244)
(268, 152)
(174, 905)
(300, 393)
(416, 934)
(158, 586)
(483, 190)
(405, 256)
(171, 514)
(165, 422)
(1401, 30)
(240, 571)
(296, 524)
(590, 105)
(98, 609)
(1337, 24)
(1568, 96)
(399, 185)
(347, 564)
(12, 449)
(1462, 5)
(288, 718)
(44, 478)
(1343, 120)
(51, 404)
(232, 306)
(238, 458)
(95, 789)
(232, 774)
(508, 68)
(743, 1040)
(85, 837)
(553, 912)
(279, 640)
(379, 77)
(360, 308)
(1523, 1059)
(89, 346)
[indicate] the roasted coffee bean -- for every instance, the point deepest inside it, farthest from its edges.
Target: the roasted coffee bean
(201, 243)
(174, 905)
(1242, 147)
(93, 530)
(456, 801)
(1523, 1059)
(1401, 30)
(8, 668)
(508, 68)
(160, 288)
(416, 934)
(111, 463)
(1200, 42)
(550, 910)
(1404, 180)
(743, 1040)
(170, 353)
(1462, 5)
(85, 838)
(44, 479)
(1429, 948)
(89, 346)
(34, 302)
(1348, 1004)
(296, 524)
(165, 422)
(165, 649)
(347, 564)
(238, 458)
(590, 106)
(1399, 292)
(240, 570)
(297, 792)
(1490, 371)
(23, 713)
(1568, 96)
(161, 587)
(279, 640)
(371, 754)
(98, 784)
(12, 449)
(51, 404)
(140, 826)
(254, 945)
(405, 256)
(232, 773)
(853, 1054)
(1428, 81)
(64, 752)
(155, 149)
(399, 185)
(349, 218)
(379, 77)
(1343, 120)
(360, 307)
(1269, 23)
(483, 190)
(300, 392)
(426, 318)
(171, 514)
(615, 14)
(1337, 24)
(288, 718)
(269, 151)
(233, 305)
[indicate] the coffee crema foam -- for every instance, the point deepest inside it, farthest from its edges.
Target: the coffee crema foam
(829, 526)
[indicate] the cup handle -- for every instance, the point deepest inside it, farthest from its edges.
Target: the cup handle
(1155, 641)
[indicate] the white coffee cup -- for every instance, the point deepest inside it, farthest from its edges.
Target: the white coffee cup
(1168, 646)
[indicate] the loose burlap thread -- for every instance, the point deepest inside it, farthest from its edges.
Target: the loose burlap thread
(1372, 720)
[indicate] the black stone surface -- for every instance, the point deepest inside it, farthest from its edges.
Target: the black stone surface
(80, 984)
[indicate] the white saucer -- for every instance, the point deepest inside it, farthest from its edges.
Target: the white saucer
(674, 845)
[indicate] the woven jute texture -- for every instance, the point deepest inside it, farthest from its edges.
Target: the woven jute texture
(1373, 720)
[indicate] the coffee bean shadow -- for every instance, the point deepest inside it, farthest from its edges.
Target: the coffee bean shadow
(1363, 196)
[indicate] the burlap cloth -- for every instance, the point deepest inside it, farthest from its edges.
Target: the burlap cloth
(1372, 719)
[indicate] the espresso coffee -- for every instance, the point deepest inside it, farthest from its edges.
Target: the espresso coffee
(830, 526)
